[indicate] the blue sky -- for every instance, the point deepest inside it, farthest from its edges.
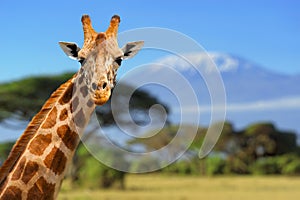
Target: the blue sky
(266, 32)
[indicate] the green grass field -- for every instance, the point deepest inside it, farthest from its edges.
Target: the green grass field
(153, 186)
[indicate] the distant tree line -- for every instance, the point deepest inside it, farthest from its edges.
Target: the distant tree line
(258, 149)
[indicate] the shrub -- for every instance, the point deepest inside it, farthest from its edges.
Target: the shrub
(235, 165)
(266, 165)
(215, 165)
(288, 164)
(292, 168)
(183, 167)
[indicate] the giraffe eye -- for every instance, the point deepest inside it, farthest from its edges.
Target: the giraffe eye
(81, 60)
(119, 60)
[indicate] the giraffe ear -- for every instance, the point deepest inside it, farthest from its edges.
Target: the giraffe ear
(71, 49)
(132, 48)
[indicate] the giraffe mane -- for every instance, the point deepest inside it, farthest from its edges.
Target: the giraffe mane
(30, 131)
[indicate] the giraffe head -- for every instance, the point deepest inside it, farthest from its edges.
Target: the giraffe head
(100, 57)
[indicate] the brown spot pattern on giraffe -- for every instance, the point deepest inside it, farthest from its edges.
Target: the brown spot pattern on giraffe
(74, 88)
(18, 172)
(80, 79)
(39, 144)
(56, 161)
(69, 137)
(30, 170)
(90, 103)
(74, 104)
(79, 119)
(12, 192)
(67, 96)
(84, 90)
(63, 114)
(51, 120)
(41, 190)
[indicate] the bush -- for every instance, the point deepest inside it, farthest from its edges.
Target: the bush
(266, 165)
(97, 175)
(236, 165)
(144, 164)
(288, 164)
(215, 165)
(183, 167)
(292, 168)
(93, 174)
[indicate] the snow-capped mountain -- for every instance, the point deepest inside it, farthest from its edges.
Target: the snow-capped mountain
(244, 80)
(253, 92)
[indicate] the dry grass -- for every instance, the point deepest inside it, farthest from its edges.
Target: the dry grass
(153, 186)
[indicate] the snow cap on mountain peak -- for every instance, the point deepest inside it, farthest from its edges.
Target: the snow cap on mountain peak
(207, 60)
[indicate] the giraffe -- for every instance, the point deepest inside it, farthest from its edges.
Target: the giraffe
(37, 163)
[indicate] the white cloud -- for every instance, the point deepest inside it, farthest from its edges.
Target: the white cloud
(264, 105)
(275, 104)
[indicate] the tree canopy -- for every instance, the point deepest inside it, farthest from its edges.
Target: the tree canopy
(22, 99)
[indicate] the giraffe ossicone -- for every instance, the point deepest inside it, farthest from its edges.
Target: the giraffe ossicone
(37, 163)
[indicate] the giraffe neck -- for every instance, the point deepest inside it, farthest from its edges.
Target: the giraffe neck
(38, 161)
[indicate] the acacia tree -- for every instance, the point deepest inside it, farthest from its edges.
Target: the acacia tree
(22, 99)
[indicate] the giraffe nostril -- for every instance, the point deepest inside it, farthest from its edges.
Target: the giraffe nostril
(102, 86)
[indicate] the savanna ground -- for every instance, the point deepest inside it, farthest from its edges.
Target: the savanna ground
(155, 186)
